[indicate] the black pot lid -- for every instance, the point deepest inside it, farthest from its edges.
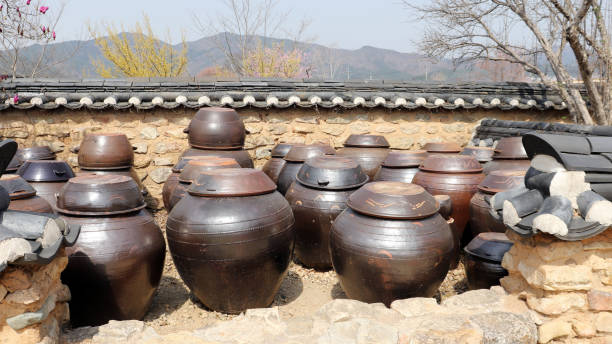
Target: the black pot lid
(367, 141)
(35, 153)
(45, 171)
(331, 173)
(229, 182)
(16, 186)
(393, 200)
(281, 149)
(489, 246)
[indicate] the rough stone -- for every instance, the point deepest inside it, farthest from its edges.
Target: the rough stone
(481, 299)
(505, 328)
(163, 148)
(583, 329)
(553, 329)
(278, 129)
(155, 120)
(599, 300)
(603, 322)
(250, 119)
(142, 161)
(344, 309)
(409, 128)
(148, 133)
(160, 174)
(402, 142)
(558, 250)
(359, 128)
(253, 128)
(416, 306)
(304, 128)
(454, 128)
(16, 279)
(332, 129)
(3, 292)
(141, 147)
(176, 133)
(431, 130)
(557, 278)
(57, 146)
(359, 331)
(162, 162)
(307, 119)
(263, 153)
(385, 129)
(16, 134)
(128, 331)
(557, 304)
(73, 161)
(337, 119)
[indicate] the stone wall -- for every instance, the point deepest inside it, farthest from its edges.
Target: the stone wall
(34, 302)
(160, 140)
(568, 284)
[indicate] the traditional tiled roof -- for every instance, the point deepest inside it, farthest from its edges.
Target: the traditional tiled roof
(149, 94)
(496, 129)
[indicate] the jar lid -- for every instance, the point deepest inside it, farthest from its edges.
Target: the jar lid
(35, 153)
(510, 148)
(45, 171)
(451, 163)
(228, 182)
(490, 246)
(404, 159)
(393, 200)
(194, 167)
(368, 141)
(502, 180)
(217, 114)
(482, 154)
(442, 147)
(13, 165)
(301, 153)
(16, 186)
(281, 149)
(331, 173)
(100, 195)
(182, 162)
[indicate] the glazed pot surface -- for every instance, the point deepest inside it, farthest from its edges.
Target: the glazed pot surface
(114, 268)
(130, 172)
(241, 156)
(483, 258)
(404, 175)
(168, 188)
(369, 159)
(47, 191)
(287, 176)
(34, 204)
(272, 168)
(106, 152)
(232, 252)
(216, 128)
(382, 260)
(45, 171)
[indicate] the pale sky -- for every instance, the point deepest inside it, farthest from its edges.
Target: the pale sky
(348, 24)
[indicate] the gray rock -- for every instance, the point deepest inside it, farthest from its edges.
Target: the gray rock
(416, 306)
(337, 120)
(345, 309)
(362, 331)
(505, 328)
(141, 147)
(307, 119)
(30, 318)
(263, 153)
(128, 331)
(484, 300)
(162, 162)
(148, 133)
(160, 174)
(57, 146)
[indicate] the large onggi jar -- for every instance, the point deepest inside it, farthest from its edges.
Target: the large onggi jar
(368, 150)
(391, 243)
(275, 164)
(400, 166)
(295, 159)
(231, 239)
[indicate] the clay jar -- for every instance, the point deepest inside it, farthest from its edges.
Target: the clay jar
(436, 148)
(23, 195)
(241, 156)
(295, 159)
(172, 180)
(481, 220)
(110, 151)
(391, 243)
(483, 257)
(192, 171)
(275, 164)
(32, 153)
(509, 155)
(318, 195)
(47, 177)
(368, 150)
(231, 239)
(457, 176)
(400, 166)
(116, 264)
(216, 128)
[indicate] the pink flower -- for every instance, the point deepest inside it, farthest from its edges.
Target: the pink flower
(1, 6)
(44, 29)
(53, 35)
(43, 9)
(28, 2)
(16, 99)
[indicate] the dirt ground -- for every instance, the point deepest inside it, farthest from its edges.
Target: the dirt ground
(302, 293)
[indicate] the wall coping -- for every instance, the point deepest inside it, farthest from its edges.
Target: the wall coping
(148, 94)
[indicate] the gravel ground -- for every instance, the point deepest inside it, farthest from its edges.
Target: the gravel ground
(303, 292)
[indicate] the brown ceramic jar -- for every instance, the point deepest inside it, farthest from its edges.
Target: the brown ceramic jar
(116, 264)
(192, 171)
(483, 257)
(128, 172)
(368, 150)
(318, 195)
(391, 243)
(23, 195)
(275, 164)
(110, 151)
(400, 166)
(481, 220)
(172, 180)
(231, 239)
(241, 156)
(435, 148)
(509, 155)
(457, 176)
(295, 159)
(32, 153)
(216, 128)
(46, 176)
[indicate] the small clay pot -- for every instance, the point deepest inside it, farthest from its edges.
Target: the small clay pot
(216, 128)
(483, 257)
(110, 151)
(368, 150)
(275, 164)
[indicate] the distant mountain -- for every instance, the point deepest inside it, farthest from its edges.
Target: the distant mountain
(330, 63)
